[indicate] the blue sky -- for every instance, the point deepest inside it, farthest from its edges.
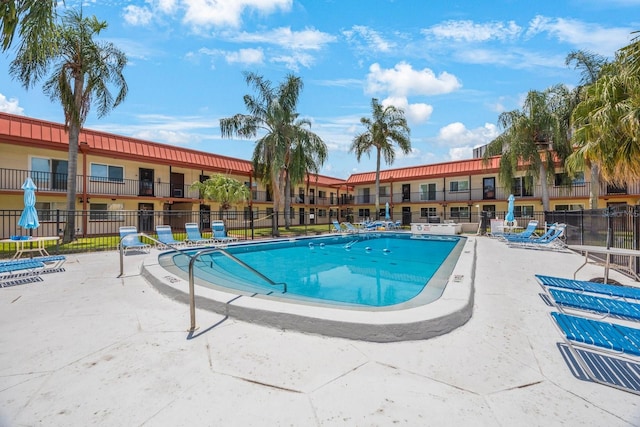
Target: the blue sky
(452, 66)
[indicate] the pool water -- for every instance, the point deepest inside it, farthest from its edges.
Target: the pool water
(372, 269)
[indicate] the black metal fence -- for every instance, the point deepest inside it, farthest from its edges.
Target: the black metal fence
(617, 226)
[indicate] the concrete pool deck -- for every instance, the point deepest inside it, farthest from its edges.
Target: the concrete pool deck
(86, 347)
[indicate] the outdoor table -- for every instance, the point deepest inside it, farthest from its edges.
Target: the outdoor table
(608, 252)
(23, 246)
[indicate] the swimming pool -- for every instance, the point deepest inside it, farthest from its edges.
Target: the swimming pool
(443, 305)
(369, 270)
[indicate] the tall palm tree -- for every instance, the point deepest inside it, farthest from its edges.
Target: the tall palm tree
(536, 137)
(79, 71)
(271, 114)
(386, 126)
(607, 120)
(590, 66)
(306, 155)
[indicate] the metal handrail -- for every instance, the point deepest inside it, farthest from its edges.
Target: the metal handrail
(193, 258)
(192, 297)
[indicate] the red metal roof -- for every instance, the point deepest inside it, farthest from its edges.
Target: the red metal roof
(455, 168)
(27, 131)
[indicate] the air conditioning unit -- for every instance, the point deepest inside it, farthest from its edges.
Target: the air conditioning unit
(177, 192)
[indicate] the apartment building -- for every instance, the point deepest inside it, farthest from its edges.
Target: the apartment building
(117, 173)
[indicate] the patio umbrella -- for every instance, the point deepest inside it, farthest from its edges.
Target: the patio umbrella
(509, 217)
(386, 211)
(29, 217)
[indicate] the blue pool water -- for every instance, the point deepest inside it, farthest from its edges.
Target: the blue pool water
(373, 270)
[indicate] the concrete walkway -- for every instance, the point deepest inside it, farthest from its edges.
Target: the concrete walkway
(84, 347)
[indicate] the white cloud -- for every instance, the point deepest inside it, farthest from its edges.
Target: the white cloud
(469, 31)
(457, 135)
(136, 15)
(460, 153)
(415, 113)
(10, 105)
(586, 36)
(219, 13)
(373, 41)
(307, 39)
(462, 141)
(403, 80)
(245, 56)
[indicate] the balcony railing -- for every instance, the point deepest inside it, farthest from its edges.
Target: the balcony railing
(12, 180)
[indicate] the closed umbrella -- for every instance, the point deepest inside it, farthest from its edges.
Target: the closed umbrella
(509, 217)
(386, 211)
(29, 217)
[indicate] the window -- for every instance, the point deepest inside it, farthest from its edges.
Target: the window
(523, 186)
(427, 192)
(460, 212)
(322, 213)
(570, 207)
(563, 179)
(427, 212)
(106, 212)
(523, 211)
(253, 187)
(49, 173)
(322, 194)
(384, 191)
(107, 173)
(458, 186)
(363, 213)
(47, 211)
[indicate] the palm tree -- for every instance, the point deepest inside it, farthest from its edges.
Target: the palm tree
(223, 189)
(590, 66)
(536, 137)
(306, 155)
(33, 20)
(386, 126)
(80, 70)
(607, 119)
(272, 113)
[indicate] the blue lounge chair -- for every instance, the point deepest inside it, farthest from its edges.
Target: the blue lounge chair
(336, 227)
(606, 352)
(165, 235)
(351, 228)
(194, 237)
(595, 304)
(550, 240)
(220, 233)
(595, 333)
(527, 233)
(129, 240)
(626, 292)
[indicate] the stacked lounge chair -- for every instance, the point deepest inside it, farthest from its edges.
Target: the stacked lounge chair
(608, 352)
(551, 240)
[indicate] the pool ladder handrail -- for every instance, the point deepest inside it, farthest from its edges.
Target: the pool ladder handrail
(193, 258)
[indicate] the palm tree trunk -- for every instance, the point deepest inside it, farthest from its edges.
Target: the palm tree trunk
(72, 171)
(544, 187)
(287, 201)
(378, 184)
